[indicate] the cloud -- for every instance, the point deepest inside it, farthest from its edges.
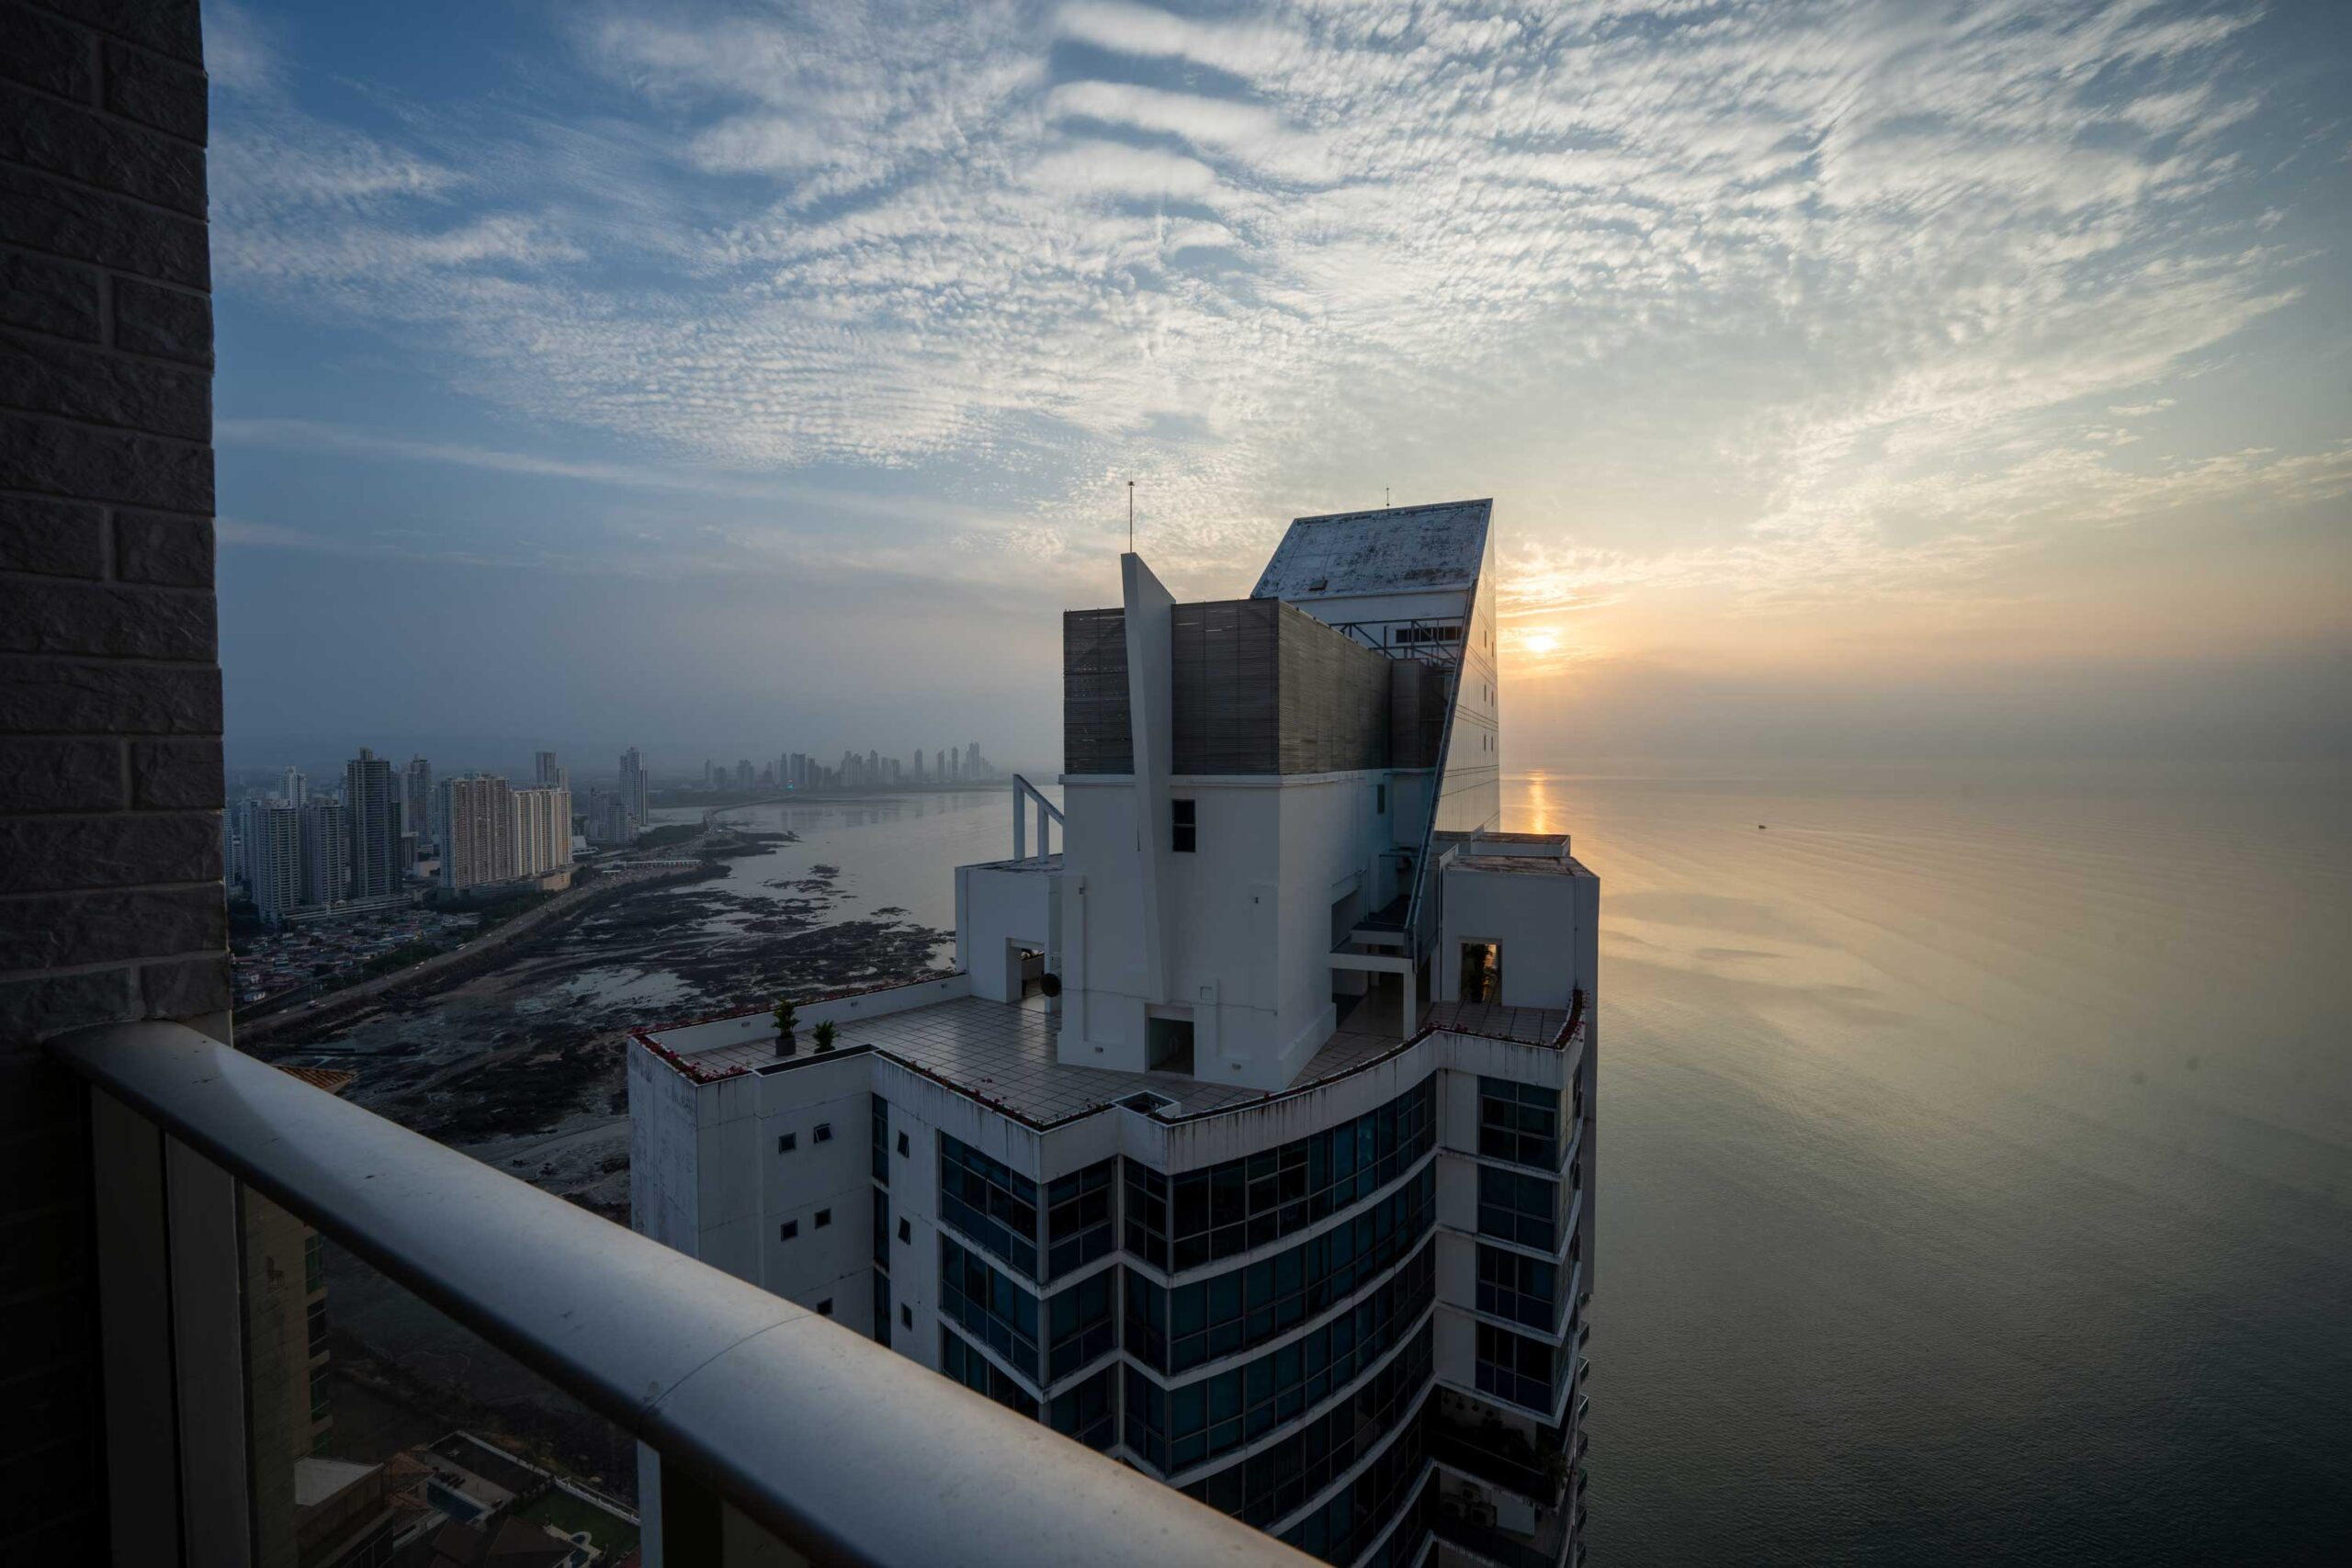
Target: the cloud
(1843, 276)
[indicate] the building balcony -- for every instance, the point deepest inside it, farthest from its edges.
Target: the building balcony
(1460, 1528)
(766, 1432)
(1500, 1456)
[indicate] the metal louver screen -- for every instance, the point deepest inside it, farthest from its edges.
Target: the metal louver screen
(1226, 705)
(1096, 738)
(1416, 698)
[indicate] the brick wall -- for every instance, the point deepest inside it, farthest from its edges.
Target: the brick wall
(110, 896)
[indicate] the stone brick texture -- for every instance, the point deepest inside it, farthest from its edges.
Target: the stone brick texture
(110, 793)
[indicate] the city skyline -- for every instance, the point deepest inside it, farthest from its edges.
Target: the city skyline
(1851, 379)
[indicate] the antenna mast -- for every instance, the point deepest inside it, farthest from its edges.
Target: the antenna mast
(1131, 517)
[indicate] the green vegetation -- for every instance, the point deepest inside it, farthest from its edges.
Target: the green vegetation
(662, 838)
(785, 1020)
(825, 1033)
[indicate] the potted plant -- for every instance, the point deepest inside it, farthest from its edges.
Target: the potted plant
(785, 1023)
(825, 1033)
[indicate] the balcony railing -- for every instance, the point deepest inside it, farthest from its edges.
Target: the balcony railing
(1490, 1544)
(1500, 1456)
(842, 1451)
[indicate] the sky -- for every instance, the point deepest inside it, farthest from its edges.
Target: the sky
(1851, 379)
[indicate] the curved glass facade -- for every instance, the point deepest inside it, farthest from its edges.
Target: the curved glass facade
(1197, 1217)
(1176, 1429)
(1175, 1329)
(1280, 1478)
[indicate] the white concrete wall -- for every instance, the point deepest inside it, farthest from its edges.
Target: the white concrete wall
(661, 1152)
(1548, 926)
(997, 910)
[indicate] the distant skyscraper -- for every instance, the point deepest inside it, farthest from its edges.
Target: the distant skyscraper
(542, 829)
(972, 769)
(607, 823)
(478, 817)
(298, 787)
(273, 833)
(326, 853)
(633, 787)
(548, 771)
(372, 802)
(417, 802)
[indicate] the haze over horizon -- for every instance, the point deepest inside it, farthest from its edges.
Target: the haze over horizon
(1850, 379)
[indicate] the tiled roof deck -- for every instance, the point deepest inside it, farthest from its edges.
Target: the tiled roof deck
(1521, 865)
(1003, 1052)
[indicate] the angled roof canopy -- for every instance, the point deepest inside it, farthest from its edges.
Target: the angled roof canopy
(1390, 550)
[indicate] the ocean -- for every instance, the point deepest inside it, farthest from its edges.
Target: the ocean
(1975, 1152)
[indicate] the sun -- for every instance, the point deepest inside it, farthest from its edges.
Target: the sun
(1540, 642)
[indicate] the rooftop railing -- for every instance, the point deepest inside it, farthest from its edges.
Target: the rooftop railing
(834, 1447)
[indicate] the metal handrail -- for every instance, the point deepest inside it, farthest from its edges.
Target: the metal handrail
(845, 1451)
(1418, 944)
(1025, 791)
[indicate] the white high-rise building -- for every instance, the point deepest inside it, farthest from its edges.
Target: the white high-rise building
(1249, 1141)
(477, 824)
(542, 829)
(297, 787)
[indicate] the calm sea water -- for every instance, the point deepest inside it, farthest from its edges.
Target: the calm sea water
(1975, 1177)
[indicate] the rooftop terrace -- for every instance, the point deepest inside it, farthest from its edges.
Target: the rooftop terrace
(1003, 1052)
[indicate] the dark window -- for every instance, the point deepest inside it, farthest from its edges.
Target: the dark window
(977, 1372)
(1179, 1329)
(881, 1161)
(1221, 1412)
(906, 1315)
(787, 1230)
(787, 1142)
(825, 1307)
(1525, 1289)
(1522, 1209)
(882, 1230)
(1186, 825)
(1244, 1203)
(903, 1143)
(1080, 1323)
(1482, 972)
(1086, 1412)
(1277, 1479)
(824, 1132)
(824, 1218)
(1344, 1526)
(1524, 1371)
(990, 1202)
(882, 1309)
(1380, 800)
(906, 1233)
(1520, 1122)
(318, 1326)
(1078, 1219)
(998, 1313)
(1147, 1213)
